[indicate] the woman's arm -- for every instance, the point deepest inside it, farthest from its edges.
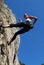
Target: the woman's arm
(33, 17)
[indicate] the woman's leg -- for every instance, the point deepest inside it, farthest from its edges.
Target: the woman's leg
(17, 33)
(21, 24)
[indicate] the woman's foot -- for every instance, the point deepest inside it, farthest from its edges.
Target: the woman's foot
(8, 43)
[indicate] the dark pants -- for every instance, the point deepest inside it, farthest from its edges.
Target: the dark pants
(26, 28)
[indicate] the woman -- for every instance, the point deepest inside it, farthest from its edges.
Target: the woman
(27, 25)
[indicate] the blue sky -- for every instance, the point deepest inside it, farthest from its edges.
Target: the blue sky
(31, 51)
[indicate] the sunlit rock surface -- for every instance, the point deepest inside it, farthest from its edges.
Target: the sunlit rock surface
(8, 54)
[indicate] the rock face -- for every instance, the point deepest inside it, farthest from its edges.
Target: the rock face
(8, 53)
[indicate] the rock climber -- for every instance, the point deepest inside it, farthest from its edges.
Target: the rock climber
(26, 26)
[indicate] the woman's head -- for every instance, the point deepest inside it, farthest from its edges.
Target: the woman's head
(26, 15)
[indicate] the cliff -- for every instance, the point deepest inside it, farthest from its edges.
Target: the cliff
(8, 53)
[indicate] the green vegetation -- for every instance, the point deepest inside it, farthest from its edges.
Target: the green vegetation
(42, 64)
(21, 63)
